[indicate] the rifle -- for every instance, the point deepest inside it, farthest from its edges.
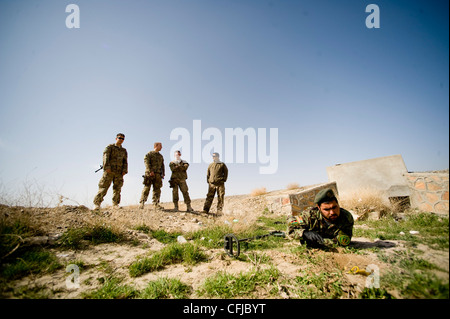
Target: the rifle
(231, 240)
(101, 167)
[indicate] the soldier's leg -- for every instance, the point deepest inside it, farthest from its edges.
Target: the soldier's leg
(175, 197)
(144, 194)
(209, 198)
(220, 197)
(157, 184)
(117, 187)
(103, 186)
(185, 191)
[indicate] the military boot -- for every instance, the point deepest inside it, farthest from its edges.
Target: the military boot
(141, 206)
(175, 206)
(189, 208)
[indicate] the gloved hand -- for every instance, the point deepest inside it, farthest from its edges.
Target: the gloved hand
(313, 239)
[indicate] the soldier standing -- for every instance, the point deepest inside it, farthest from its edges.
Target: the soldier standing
(154, 174)
(323, 225)
(178, 180)
(216, 177)
(115, 166)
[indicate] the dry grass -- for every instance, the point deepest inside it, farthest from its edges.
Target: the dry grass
(364, 201)
(291, 186)
(258, 191)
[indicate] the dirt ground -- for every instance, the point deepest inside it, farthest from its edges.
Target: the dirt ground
(239, 211)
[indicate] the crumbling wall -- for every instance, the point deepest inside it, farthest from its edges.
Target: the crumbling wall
(295, 203)
(429, 191)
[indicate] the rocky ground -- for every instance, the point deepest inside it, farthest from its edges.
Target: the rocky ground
(239, 212)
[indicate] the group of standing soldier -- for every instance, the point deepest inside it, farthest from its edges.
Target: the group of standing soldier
(327, 223)
(115, 166)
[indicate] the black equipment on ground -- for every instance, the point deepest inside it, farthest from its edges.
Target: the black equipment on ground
(232, 243)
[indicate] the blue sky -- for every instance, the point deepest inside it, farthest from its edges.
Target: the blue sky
(336, 90)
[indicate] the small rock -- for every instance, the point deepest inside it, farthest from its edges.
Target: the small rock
(401, 233)
(373, 215)
(414, 232)
(142, 236)
(181, 240)
(38, 240)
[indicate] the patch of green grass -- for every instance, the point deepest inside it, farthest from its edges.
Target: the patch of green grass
(426, 285)
(413, 277)
(77, 238)
(112, 288)
(321, 285)
(375, 293)
(166, 288)
(143, 228)
(165, 237)
(225, 285)
(29, 261)
(171, 254)
(35, 291)
(273, 223)
(213, 236)
(12, 234)
(433, 230)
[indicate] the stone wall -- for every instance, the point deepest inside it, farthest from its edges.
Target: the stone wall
(305, 199)
(296, 202)
(429, 191)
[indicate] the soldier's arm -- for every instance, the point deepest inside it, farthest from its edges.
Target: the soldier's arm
(225, 173)
(296, 227)
(208, 173)
(125, 164)
(107, 158)
(147, 163)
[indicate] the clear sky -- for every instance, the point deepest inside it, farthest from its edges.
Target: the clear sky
(335, 90)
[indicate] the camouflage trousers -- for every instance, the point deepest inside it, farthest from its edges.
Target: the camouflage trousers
(156, 182)
(212, 189)
(103, 186)
(182, 185)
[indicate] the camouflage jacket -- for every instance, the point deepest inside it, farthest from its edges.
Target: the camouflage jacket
(179, 170)
(217, 173)
(115, 158)
(154, 162)
(339, 232)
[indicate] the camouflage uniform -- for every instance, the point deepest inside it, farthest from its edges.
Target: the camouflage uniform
(216, 177)
(340, 232)
(178, 178)
(154, 163)
(115, 159)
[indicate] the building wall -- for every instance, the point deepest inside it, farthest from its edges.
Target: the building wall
(381, 174)
(429, 191)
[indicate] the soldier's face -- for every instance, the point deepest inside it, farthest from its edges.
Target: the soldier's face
(158, 147)
(119, 140)
(330, 211)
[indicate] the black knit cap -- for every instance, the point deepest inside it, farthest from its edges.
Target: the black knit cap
(324, 196)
